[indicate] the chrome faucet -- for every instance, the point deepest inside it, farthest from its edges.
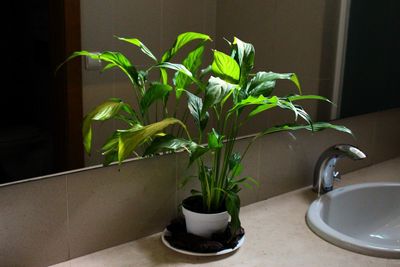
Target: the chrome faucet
(325, 173)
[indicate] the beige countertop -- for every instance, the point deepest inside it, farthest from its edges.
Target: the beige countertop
(276, 235)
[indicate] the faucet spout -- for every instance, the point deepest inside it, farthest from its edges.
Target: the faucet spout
(324, 172)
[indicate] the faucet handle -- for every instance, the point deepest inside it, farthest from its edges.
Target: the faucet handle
(336, 176)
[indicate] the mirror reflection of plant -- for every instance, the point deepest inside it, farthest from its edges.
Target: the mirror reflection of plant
(227, 90)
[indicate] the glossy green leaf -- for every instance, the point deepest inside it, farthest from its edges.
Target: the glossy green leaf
(215, 92)
(214, 140)
(115, 59)
(157, 91)
(131, 138)
(268, 103)
(195, 105)
(272, 76)
(232, 204)
(261, 84)
(225, 67)
(181, 41)
(167, 142)
(307, 97)
(164, 76)
(317, 126)
(104, 111)
(245, 54)
(245, 179)
(234, 159)
(237, 170)
(175, 66)
(274, 101)
(192, 62)
(139, 44)
(249, 101)
(196, 151)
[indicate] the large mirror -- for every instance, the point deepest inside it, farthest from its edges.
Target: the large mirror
(340, 49)
(371, 58)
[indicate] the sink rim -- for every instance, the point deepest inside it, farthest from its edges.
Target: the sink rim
(320, 228)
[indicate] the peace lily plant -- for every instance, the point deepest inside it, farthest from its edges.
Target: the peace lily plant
(227, 89)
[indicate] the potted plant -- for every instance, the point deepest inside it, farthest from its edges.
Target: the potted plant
(227, 89)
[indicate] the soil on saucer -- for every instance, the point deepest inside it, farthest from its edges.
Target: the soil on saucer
(179, 238)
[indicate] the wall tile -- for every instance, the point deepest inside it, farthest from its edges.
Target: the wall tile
(183, 172)
(386, 139)
(253, 25)
(113, 205)
(96, 27)
(33, 223)
(138, 19)
(251, 166)
(181, 16)
(283, 165)
(294, 52)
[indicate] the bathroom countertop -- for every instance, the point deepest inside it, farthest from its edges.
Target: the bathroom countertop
(276, 235)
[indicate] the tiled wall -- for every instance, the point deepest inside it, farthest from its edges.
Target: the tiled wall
(288, 35)
(51, 220)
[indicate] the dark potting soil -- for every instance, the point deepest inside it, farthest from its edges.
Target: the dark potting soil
(195, 203)
(180, 239)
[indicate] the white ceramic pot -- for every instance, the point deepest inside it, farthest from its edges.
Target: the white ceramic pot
(205, 224)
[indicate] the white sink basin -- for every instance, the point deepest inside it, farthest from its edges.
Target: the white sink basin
(364, 218)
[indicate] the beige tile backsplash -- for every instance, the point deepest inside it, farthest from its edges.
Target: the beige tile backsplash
(34, 223)
(54, 219)
(116, 204)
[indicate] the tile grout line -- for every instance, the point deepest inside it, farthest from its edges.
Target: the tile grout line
(160, 49)
(258, 171)
(68, 228)
(176, 187)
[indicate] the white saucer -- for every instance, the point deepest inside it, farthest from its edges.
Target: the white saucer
(225, 251)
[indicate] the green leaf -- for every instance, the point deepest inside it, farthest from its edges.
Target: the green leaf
(115, 59)
(237, 170)
(111, 144)
(181, 41)
(272, 76)
(196, 151)
(130, 139)
(167, 142)
(178, 67)
(232, 203)
(234, 159)
(225, 67)
(139, 44)
(157, 91)
(307, 97)
(245, 55)
(215, 92)
(192, 62)
(175, 66)
(245, 179)
(195, 105)
(251, 100)
(283, 103)
(261, 84)
(164, 76)
(104, 111)
(122, 63)
(214, 140)
(316, 126)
